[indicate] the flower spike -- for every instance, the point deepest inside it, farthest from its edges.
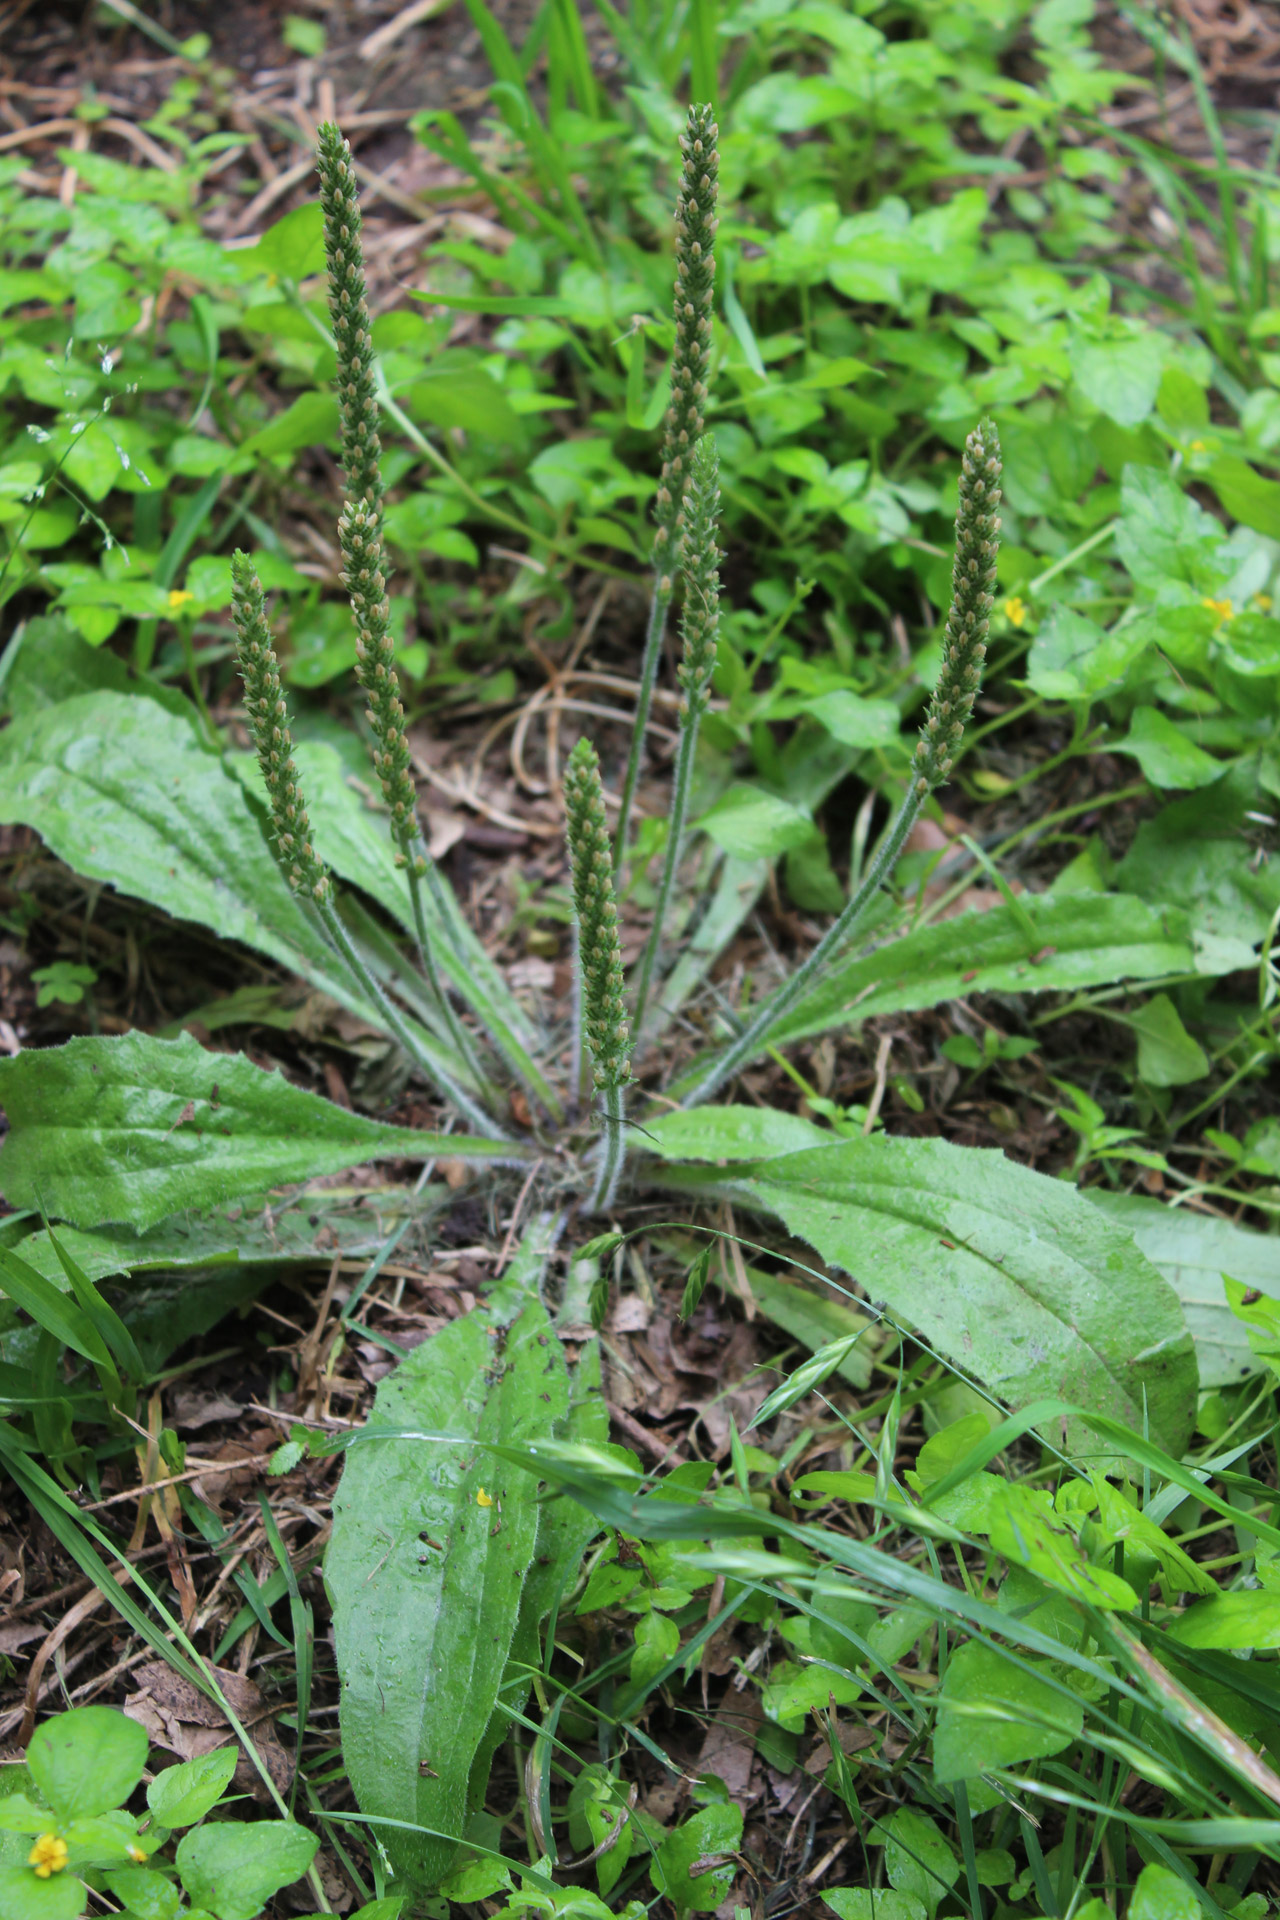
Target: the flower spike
(268, 717)
(601, 951)
(690, 363)
(973, 581)
(360, 526)
(685, 417)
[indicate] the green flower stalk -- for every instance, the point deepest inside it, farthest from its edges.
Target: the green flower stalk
(360, 527)
(604, 1013)
(973, 576)
(973, 580)
(700, 625)
(364, 572)
(685, 417)
(268, 717)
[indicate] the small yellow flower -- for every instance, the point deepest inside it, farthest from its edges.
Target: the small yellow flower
(1262, 601)
(178, 599)
(1223, 609)
(49, 1855)
(1015, 611)
(1196, 446)
(483, 1499)
(138, 1855)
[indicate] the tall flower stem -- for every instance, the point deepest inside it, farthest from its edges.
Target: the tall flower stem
(465, 1102)
(700, 624)
(613, 1150)
(599, 956)
(685, 417)
(360, 537)
(267, 713)
(973, 577)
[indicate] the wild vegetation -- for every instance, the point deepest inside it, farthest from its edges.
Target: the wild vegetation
(980, 1554)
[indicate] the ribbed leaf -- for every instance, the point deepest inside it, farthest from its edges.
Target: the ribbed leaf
(433, 1540)
(1009, 1273)
(135, 1128)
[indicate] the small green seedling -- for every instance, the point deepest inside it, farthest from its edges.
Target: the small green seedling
(64, 982)
(65, 1832)
(975, 1056)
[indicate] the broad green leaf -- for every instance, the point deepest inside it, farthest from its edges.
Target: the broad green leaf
(992, 1713)
(1233, 1620)
(181, 1795)
(355, 1223)
(22, 1897)
(146, 1894)
(752, 824)
(1167, 1055)
(866, 1903)
(1159, 1894)
(656, 1640)
(695, 1866)
(564, 1531)
(132, 1129)
(852, 721)
(1003, 1270)
(433, 1538)
(1193, 1251)
(1119, 938)
(1023, 1525)
(1165, 754)
(1122, 377)
(1246, 495)
(1198, 855)
(100, 1840)
(1119, 1519)
(292, 249)
(232, 1867)
(87, 1761)
(122, 791)
(793, 1692)
(917, 1859)
(732, 1133)
(19, 1813)
(1165, 538)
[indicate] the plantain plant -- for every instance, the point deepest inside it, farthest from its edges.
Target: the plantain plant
(443, 1564)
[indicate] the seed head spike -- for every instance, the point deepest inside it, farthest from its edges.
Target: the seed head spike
(691, 361)
(360, 525)
(972, 581)
(604, 1009)
(268, 717)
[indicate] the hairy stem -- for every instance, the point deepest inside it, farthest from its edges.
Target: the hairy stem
(964, 649)
(613, 1149)
(400, 1028)
(655, 634)
(756, 1035)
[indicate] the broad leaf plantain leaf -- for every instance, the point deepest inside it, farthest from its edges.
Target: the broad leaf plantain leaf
(433, 1540)
(1009, 1273)
(131, 1129)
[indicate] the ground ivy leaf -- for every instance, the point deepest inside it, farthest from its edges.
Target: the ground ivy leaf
(131, 1129)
